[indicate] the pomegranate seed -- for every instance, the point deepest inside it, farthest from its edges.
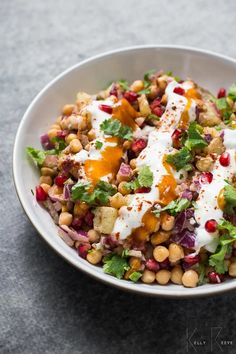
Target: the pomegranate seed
(83, 251)
(165, 264)
(221, 92)
(215, 277)
(89, 218)
(179, 90)
(155, 103)
(206, 177)
(224, 159)
(138, 145)
(142, 190)
(62, 134)
(105, 108)
(211, 225)
(191, 260)
(152, 265)
(77, 222)
(113, 91)
(41, 195)
(60, 180)
(130, 96)
(176, 136)
(158, 111)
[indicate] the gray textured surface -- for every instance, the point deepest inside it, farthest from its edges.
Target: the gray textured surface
(46, 305)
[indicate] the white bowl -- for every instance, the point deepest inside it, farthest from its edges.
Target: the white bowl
(210, 70)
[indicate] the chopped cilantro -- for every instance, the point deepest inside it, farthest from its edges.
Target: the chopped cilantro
(147, 82)
(201, 272)
(175, 207)
(230, 199)
(147, 74)
(39, 156)
(115, 265)
(98, 145)
(114, 127)
(180, 160)
(222, 104)
(232, 92)
(144, 179)
(98, 196)
(59, 144)
(124, 85)
(217, 260)
(194, 139)
(153, 116)
(135, 276)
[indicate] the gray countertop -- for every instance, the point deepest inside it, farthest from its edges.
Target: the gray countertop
(46, 306)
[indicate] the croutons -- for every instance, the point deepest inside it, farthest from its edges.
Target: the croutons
(144, 106)
(104, 219)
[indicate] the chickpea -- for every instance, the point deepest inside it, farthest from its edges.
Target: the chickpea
(45, 187)
(137, 86)
(118, 200)
(232, 269)
(163, 276)
(162, 83)
(167, 222)
(91, 134)
(133, 164)
(159, 237)
(148, 276)
(75, 146)
(176, 252)
(52, 133)
(216, 146)
(94, 257)
(176, 275)
(80, 208)
(230, 102)
(65, 218)
(122, 188)
(164, 99)
(45, 179)
(82, 122)
(70, 137)
(204, 164)
(68, 109)
(46, 171)
(190, 278)
(127, 144)
(93, 236)
(55, 126)
(160, 253)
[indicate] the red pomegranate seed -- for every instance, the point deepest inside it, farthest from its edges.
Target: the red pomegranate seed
(114, 91)
(130, 96)
(83, 251)
(206, 177)
(158, 111)
(62, 134)
(142, 190)
(60, 180)
(152, 265)
(138, 145)
(89, 216)
(77, 222)
(224, 159)
(221, 92)
(215, 277)
(176, 136)
(211, 225)
(40, 193)
(165, 264)
(155, 103)
(191, 260)
(105, 108)
(179, 90)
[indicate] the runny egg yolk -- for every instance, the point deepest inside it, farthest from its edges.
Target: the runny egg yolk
(167, 185)
(125, 113)
(189, 95)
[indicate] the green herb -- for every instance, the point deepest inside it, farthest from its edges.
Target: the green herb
(98, 145)
(169, 73)
(135, 276)
(180, 160)
(115, 265)
(144, 91)
(114, 127)
(38, 156)
(226, 111)
(99, 196)
(222, 104)
(232, 92)
(147, 82)
(194, 139)
(147, 75)
(153, 116)
(229, 231)
(217, 260)
(201, 271)
(125, 252)
(174, 207)
(124, 85)
(59, 144)
(144, 179)
(230, 199)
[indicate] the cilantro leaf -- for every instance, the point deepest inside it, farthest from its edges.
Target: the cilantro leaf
(217, 260)
(201, 271)
(175, 207)
(144, 179)
(194, 139)
(222, 104)
(232, 92)
(227, 226)
(38, 156)
(153, 116)
(124, 85)
(99, 196)
(114, 127)
(230, 199)
(98, 145)
(59, 144)
(135, 276)
(115, 265)
(147, 74)
(180, 160)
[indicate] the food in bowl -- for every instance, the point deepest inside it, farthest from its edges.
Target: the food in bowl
(140, 178)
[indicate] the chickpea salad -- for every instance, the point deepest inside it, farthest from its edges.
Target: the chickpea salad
(141, 179)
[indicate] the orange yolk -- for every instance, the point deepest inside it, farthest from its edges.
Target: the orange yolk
(221, 199)
(167, 185)
(125, 113)
(189, 94)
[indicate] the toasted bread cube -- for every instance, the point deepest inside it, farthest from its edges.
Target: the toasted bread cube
(144, 107)
(104, 219)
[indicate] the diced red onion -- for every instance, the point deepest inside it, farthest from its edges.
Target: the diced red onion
(65, 237)
(46, 143)
(52, 211)
(80, 235)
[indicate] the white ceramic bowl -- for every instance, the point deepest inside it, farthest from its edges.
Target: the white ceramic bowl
(210, 70)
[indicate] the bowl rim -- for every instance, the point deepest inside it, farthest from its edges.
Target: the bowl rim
(105, 278)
